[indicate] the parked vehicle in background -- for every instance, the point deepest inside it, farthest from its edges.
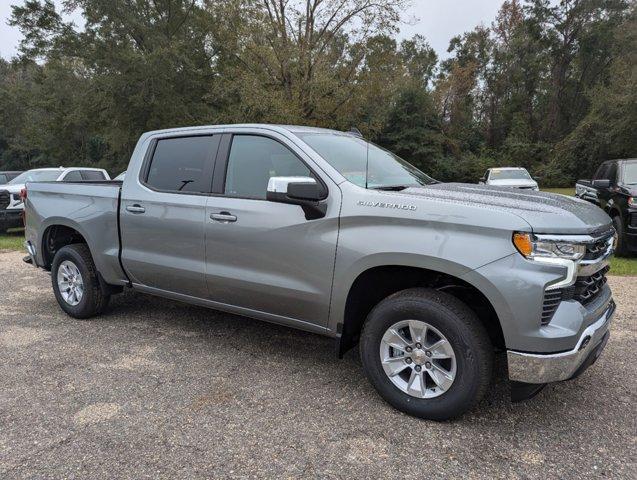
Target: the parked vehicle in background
(514, 177)
(11, 204)
(7, 176)
(121, 176)
(323, 231)
(614, 189)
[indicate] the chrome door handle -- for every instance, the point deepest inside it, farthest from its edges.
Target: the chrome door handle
(223, 217)
(135, 208)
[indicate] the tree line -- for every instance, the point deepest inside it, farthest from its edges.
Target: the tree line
(548, 86)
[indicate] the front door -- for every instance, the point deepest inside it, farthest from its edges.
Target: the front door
(265, 256)
(163, 212)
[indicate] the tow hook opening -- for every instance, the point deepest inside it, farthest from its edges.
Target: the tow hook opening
(585, 342)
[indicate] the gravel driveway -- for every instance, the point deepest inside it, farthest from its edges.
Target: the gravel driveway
(158, 389)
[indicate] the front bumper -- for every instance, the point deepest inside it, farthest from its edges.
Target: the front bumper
(540, 368)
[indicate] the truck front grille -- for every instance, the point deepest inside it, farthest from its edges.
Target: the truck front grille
(598, 248)
(586, 289)
(552, 299)
(633, 220)
(5, 199)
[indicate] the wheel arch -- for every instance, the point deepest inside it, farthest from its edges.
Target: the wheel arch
(58, 233)
(377, 282)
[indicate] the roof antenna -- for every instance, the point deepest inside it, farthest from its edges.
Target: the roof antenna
(366, 162)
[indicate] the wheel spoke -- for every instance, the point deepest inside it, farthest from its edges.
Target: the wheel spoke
(415, 383)
(394, 365)
(441, 377)
(418, 331)
(441, 350)
(394, 339)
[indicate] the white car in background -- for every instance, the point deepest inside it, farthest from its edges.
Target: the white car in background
(11, 205)
(514, 177)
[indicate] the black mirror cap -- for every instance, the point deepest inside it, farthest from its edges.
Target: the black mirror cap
(601, 183)
(309, 196)
(312, 192)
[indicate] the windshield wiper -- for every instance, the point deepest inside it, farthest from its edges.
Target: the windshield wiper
(391, 188)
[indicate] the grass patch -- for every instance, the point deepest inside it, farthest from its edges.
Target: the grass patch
(563, 191)
(12, 240)
(623, 266)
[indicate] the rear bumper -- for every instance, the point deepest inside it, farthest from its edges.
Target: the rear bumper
(541, 368)
(11, 218)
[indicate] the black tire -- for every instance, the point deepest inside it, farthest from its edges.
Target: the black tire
(93, 300)
(463, 330)
(621, 240)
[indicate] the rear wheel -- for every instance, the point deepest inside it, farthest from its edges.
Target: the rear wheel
(75, 282)
(426, 353)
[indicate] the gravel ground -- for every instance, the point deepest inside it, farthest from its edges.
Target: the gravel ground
(158, 389)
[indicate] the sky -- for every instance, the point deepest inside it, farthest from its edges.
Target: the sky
(437, 20)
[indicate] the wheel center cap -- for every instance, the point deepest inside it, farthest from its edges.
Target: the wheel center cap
(419, 357)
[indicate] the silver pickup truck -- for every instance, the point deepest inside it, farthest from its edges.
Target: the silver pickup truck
(320, 230)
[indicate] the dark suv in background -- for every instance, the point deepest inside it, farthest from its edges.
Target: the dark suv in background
(614, 189)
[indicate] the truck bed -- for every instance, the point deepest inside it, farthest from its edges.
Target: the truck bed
(90, 208)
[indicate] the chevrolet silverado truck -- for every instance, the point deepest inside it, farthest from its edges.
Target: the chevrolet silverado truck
(323, 231)
(614, 189)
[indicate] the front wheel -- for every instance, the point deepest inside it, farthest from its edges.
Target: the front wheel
(75, 282)
(426, 353)
(620, 249)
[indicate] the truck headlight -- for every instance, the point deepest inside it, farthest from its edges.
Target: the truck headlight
(534, 248)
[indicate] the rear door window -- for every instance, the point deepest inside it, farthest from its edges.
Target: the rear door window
(183, 164)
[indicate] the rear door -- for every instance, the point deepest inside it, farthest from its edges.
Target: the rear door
(266, 257)
(162, 214)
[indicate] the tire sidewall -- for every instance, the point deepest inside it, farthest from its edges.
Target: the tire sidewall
(619, 228)
(464, 390)
(69, 253)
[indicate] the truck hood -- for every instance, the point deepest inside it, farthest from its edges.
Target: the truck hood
(544, 212)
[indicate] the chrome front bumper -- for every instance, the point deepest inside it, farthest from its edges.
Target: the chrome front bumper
(555, 367)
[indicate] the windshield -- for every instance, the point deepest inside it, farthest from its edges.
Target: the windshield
(497, 174)
(630, 173)
(36, 176)
(348, 155)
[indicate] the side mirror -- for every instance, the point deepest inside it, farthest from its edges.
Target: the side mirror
(302, 191)
(601, 183)
(483, 179)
